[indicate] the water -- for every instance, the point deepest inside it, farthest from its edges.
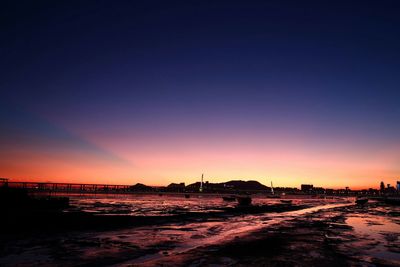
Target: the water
(373, 235)
(195, 235)
(176, 238)
(146, 205)
(377, 233)
(164, 205)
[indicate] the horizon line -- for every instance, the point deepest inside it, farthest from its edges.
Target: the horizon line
(33, 180)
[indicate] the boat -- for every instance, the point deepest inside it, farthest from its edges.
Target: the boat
(244, 200)
(361, 200)
(286, 201)
(229, 198)
(273, 195)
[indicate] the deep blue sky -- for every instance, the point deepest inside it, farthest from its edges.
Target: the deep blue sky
(327, 71)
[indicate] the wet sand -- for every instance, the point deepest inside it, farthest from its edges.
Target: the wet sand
(344, 236)
(333, 234)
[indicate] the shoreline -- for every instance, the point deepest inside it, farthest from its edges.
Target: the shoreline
(321, 237)
(80, 220)
(328, 233)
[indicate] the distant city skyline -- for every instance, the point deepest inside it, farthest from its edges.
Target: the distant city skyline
(394, 185)
(162, 91)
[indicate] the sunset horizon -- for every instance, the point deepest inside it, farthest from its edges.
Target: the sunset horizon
(200, 133)
(235, 92)
(191, 180)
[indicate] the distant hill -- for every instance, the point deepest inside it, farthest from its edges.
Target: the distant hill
(232, 185)
(141, 188)
(246, 185)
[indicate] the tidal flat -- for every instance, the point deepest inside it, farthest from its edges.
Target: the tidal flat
(151, 230)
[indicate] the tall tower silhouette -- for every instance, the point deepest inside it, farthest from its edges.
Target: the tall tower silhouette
(272, 189)
(201, 183)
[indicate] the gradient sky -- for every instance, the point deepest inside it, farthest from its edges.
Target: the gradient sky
(156, 92)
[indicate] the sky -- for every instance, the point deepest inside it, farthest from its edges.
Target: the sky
(155, 92)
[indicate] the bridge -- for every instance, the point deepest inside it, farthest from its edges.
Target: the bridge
(49, 187)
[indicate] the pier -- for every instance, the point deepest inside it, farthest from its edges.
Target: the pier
(49, 187)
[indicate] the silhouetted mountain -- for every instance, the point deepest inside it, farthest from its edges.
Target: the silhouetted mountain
(231, 185)
(176, 187)
(235, 185)
(141, 187)
(246, 185)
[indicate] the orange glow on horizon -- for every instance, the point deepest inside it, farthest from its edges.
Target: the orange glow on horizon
(288, 161)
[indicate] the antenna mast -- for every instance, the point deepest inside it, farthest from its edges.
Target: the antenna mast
(272, 188)
(201, 183)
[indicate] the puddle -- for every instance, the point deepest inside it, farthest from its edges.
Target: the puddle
(378, 237)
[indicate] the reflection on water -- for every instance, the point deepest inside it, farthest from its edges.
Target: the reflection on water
(190, 236)
(376, 229)
(148, 205)
(377, 235)
(175, 237)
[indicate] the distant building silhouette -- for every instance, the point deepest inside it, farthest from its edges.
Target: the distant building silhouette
(307, 187)
(382, 187)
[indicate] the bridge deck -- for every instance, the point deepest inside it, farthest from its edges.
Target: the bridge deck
(68, 187)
